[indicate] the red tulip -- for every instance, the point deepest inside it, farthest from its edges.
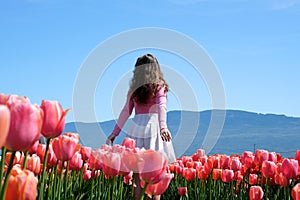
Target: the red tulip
(217, 174)
(202, 175)
(238, 176)
(22, 185)
(182, 191)
(65, 146)
(280, 179)
(252, 179)
(85, 152)
(248, 159)
(225, 161)
(51, 161)
(33, 148)
(4, 123)
(25, 126)
(290, 168)
(54, 118)
(128, 178)
(297, 156)
(160, 187)
(87, 174)
(153, 166)
(260, 156)
(296, 192)
(34, 164)
(256, 193)
(129, 143)
(76, 162)
(227, 175)
(189, 174)
(18, 159)
(268, 169)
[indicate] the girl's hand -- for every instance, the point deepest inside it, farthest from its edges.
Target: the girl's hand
(110, 139)
(165, 135)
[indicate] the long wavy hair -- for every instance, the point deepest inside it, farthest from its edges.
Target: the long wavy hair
(147, 79)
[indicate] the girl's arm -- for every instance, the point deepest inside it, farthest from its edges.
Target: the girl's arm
(124, 115)
(161, 100)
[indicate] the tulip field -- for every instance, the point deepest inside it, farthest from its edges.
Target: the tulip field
(63, 169)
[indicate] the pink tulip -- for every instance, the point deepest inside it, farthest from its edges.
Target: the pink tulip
(18, 159)
(227, 175)
(87, 174)
(273, 157)
(3, 99)
(235, 164)
(256, 193)
(253, 179)
(76, 162)
(160, 187)
(296, 192)
(153, 166)
(268, 169)
(182, 191)
(95, 161)
(34, 164)
(260, 156)
(290, 168)
(4, 123)
(111, 164)
(129, 143)
(22, 185)
(54, 118)
(202, 175)
(65, 146)
(25, 126)
(85, 152)
(33, 148)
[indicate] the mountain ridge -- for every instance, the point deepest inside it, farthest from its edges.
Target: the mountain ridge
(242, 130)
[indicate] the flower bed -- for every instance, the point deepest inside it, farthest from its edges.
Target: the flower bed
(63, 169)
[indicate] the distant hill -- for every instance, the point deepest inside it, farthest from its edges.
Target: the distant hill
(241, 131)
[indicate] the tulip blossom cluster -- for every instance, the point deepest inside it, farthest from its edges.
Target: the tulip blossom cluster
(250, 175)
(63, 169)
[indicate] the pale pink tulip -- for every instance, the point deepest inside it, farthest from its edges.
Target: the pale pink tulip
(34, 164)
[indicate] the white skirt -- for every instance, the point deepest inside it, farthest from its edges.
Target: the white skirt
(144, 128)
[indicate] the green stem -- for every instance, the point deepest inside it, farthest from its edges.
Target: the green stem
(25, 159)
(143, 191)
(2, 165)
(60, 179)
(11, 162)
(42, 186)
(66, 180)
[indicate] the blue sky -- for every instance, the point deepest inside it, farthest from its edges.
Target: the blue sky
(255, 46)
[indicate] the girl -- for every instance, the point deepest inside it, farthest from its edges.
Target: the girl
(148, 96)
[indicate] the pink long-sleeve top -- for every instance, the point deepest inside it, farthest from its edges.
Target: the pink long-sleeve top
(156, 104)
